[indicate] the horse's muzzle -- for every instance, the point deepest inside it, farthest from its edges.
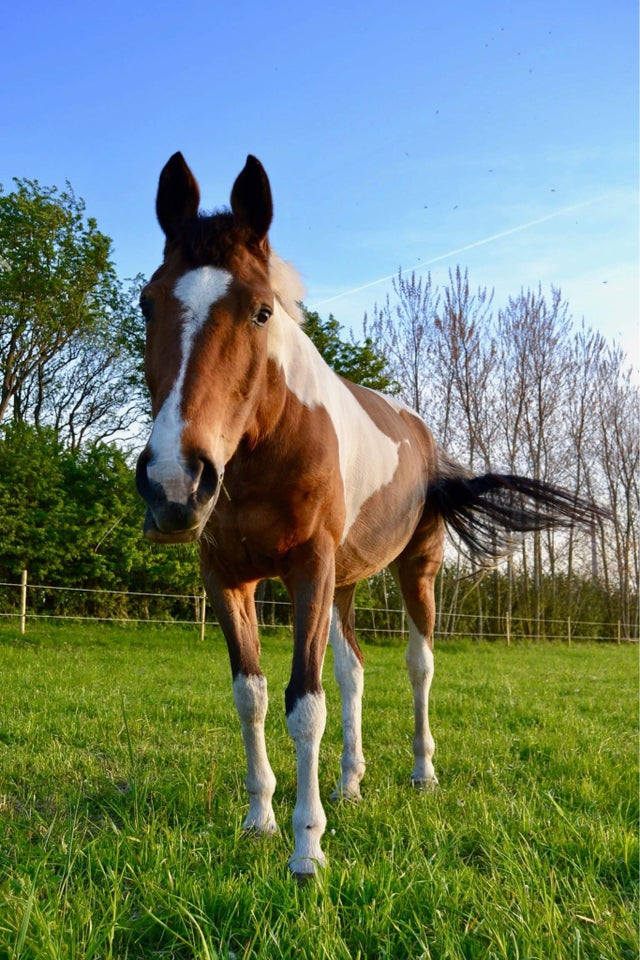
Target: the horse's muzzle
(179, 498)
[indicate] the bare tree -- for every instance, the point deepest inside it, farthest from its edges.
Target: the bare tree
(526, 392)
(588, 351)
(405, 333)
(617, 453)
(466, 355)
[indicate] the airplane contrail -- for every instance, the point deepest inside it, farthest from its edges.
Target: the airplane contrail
(468, 246)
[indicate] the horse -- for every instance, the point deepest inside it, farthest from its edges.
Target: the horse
(278, 467)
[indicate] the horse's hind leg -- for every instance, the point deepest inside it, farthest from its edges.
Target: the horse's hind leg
(415, 571)
(349, 674)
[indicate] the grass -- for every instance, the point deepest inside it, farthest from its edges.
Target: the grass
(122, 799)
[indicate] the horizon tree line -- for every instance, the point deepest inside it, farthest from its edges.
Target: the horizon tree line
(518, 387)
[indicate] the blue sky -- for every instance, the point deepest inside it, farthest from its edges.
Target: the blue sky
(501, 136)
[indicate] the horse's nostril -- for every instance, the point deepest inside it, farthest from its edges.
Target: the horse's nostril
(142, 477)
(205, 479)
(207, 482)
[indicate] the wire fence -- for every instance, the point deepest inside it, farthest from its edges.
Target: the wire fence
(26, 601)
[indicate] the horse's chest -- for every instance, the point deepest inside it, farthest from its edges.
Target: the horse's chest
(256, 527)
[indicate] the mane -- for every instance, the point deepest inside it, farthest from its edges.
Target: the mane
(287, 286)
(211, 238)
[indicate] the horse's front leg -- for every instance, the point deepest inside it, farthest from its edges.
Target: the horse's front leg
(250, 698)
(312, 592)
(236, 612)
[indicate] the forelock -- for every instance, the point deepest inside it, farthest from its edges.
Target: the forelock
(210, 239)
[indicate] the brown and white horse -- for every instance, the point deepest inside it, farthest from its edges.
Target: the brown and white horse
(280, 468)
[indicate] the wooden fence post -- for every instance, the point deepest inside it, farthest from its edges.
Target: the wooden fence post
(569, 630)
(508, 627)
(23, 602)
(203, 614)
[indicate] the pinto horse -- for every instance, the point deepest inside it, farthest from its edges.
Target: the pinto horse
(280, 468)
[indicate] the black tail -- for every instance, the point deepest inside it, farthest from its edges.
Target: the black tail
(486, 511)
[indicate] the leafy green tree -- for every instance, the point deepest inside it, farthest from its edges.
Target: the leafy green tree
(65, 357)
(72, 518)
(359, 362)
(32, 503)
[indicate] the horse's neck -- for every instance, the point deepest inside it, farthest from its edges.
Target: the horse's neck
(305, 372)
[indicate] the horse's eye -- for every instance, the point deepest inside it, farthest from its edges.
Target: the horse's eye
(262, 316)
(146, 308)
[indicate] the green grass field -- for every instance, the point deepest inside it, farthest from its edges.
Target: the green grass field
(122, 799)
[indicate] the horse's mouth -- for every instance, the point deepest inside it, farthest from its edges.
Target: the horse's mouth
(152, 532)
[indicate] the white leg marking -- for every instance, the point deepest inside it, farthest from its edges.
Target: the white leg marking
(251, 700)
(350, 678)
(306, 724)
(420, 666)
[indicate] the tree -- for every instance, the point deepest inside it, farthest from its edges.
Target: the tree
(64, 354)
(405, 334)
(32, 502)
(72, 518)
(465, 363)
(520, 391)
(616, 448)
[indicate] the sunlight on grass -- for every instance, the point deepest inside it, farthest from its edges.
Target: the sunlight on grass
(122, 800)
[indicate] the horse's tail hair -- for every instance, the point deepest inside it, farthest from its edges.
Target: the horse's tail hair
(486, 511)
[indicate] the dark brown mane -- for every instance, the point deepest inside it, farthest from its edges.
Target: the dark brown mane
(211, 239)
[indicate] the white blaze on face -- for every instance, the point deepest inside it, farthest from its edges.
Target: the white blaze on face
(368, 457)
(198, 290)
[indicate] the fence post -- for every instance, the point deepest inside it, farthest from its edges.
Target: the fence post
(203, 614)
(569, 630)
(23, 602)
(508, 627)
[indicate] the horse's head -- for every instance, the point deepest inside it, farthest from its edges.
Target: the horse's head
(207, 310)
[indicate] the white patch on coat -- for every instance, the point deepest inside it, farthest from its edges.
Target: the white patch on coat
(251, 700)
(349, 675)
(368, 457)
(306, 724)
(420, 665)
(197, 291)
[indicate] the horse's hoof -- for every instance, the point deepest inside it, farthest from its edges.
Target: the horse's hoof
(350, 796)
(304, 879)
(305, 869)
(268, 829)
(424, 786)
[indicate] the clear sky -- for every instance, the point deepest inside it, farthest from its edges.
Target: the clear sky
(502, 136)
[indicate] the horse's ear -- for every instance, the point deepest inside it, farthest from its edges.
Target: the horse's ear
(251, 200)
(178, 196)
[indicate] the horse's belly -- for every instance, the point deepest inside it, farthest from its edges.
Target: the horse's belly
(380, 533)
